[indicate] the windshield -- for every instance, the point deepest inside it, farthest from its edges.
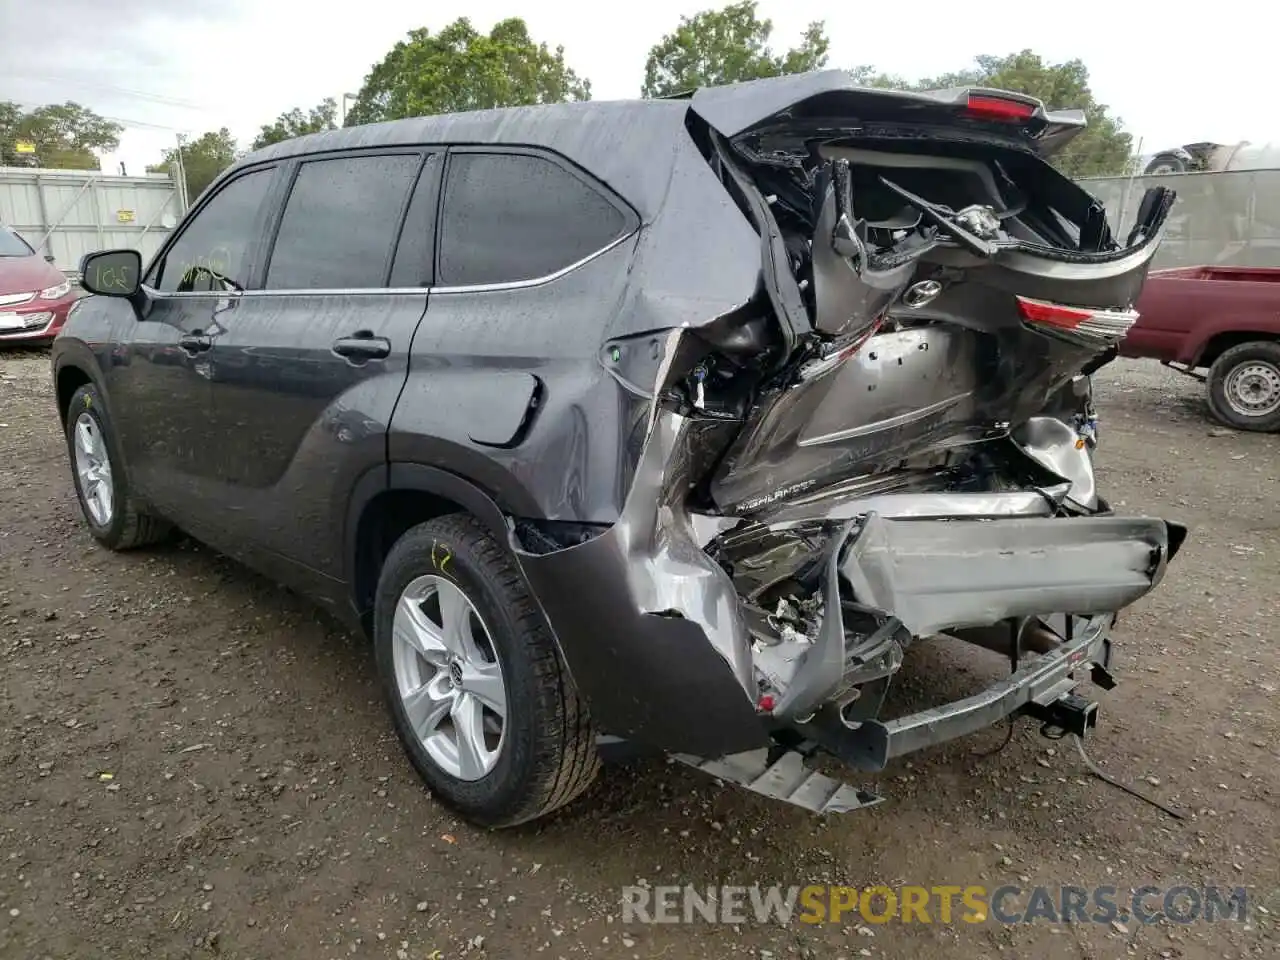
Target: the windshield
(12, 245)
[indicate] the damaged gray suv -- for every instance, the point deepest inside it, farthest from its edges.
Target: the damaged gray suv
(673, 423)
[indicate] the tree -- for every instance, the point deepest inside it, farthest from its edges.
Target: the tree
(296, 124)
(202, 159)
(462, 69)
(1104, 148)
(10, 116)
(65, 135)
(725, 46)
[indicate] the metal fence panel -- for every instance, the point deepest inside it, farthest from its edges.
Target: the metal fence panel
(68, 213)
(1229, 218)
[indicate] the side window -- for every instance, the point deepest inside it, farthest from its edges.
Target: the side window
(509, 217)
(341, 222)
(413, 267)
(212, 253)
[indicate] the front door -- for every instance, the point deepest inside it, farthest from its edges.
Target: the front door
(306, 370)
(160, 379)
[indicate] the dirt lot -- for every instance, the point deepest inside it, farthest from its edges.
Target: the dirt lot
(258, 805)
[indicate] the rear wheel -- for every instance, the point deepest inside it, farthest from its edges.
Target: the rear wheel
(480, 698)
(113, 517)
(1244, 386)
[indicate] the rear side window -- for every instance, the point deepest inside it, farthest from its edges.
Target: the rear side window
(511, 217)
(412, 267)
(340, 223)
(212, 254)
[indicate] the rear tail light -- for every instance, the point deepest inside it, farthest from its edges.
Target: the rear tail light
(988, 107)
(1080, 323)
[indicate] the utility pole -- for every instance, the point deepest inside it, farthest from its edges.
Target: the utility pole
(180, 180)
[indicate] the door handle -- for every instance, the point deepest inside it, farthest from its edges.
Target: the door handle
(196, 342)
(362, 346)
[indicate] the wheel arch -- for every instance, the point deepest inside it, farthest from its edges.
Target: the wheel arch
(74, 366)
(389, 500)
(1224, 340)
(67, 380)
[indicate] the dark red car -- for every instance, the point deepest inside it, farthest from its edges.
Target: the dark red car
(1225, 321)
(35, 297)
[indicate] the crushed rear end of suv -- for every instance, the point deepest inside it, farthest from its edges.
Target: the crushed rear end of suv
(890, 443)
(677, 422)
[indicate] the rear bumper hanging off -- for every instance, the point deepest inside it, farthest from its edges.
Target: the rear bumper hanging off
(942, 574)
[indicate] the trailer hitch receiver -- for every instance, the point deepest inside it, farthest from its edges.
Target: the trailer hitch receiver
(1071, 714)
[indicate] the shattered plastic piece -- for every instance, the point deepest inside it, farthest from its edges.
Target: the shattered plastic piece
(789, 634)
(786, 779)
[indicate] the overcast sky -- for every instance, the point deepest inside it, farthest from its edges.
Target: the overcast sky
(1174, 75)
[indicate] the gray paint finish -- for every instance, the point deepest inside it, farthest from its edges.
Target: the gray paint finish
(603, 137)
(726, 352)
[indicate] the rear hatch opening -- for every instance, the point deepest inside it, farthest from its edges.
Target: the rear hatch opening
(904, 187)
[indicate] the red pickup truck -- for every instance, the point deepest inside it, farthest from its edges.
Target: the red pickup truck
(1225, 320)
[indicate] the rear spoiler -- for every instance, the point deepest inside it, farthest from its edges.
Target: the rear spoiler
(829, 99)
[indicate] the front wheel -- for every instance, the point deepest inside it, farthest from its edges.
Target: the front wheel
(1244, 386)
(114, 518)
(479, 695)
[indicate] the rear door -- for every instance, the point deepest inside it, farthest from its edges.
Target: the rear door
(305, 371)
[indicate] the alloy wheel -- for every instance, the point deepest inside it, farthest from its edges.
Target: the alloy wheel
(93, 466)
(449, 678)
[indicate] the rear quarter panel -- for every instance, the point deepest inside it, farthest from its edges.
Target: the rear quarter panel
(573, 458)
(475, 351)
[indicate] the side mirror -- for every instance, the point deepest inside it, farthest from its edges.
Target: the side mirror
(112, 273)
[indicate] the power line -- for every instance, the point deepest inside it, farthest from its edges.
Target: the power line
(93, 85)
(126, 121)
(143, 124)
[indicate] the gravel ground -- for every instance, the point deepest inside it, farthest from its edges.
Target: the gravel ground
(196, 762)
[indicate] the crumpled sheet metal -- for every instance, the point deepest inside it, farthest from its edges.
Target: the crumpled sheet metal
(940, 574)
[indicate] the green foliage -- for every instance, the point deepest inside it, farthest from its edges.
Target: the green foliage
(202, 159)
(65, 136)
(726, 46)
(1103, 149)
(295, 123)
(461, 69)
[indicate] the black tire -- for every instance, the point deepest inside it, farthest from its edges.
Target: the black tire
(1165, 163)
(1265, 353)
(548, 755)
(129, 525)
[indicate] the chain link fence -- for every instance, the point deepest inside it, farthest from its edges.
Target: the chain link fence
(1227, 218)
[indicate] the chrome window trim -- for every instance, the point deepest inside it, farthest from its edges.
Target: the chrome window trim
(535, 281)
(403, 291)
